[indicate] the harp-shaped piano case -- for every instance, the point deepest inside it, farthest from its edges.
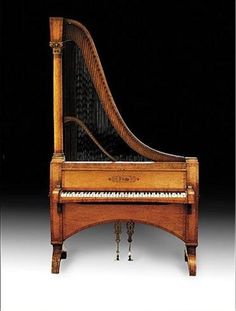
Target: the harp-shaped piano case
(100, 172)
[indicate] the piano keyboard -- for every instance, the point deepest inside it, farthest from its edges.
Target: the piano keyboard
(118, 195)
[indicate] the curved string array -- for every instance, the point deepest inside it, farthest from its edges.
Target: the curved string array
(77, 33)
(89, 133)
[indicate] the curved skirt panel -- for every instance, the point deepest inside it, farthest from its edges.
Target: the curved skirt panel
(169, 217)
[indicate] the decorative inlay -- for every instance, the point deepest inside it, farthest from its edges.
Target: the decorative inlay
(123, 178)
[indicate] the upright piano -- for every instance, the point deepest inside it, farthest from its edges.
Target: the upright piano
(100, 171)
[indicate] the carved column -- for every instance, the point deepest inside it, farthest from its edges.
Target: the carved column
(56, 30)
(57, 97)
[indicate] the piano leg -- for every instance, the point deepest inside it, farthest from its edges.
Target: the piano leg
(190, 257)
(57, 255)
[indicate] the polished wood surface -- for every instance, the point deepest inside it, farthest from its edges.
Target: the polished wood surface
(56, 28)
(164, 172)
(113, 178)
(170, 217)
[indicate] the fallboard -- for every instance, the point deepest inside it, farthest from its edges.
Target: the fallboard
(124, 176)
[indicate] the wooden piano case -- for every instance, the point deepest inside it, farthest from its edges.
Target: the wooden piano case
(94, 151)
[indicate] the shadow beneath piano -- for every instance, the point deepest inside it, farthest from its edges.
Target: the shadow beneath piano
(150, 244)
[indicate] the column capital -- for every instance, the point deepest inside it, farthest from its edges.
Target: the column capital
(56, 47)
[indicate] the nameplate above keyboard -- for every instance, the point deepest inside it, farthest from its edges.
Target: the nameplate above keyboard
(116, 177)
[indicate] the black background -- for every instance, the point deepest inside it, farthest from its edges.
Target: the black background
(170, 67)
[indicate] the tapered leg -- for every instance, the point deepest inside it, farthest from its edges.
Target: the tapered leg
(57, 255)
(190, 257)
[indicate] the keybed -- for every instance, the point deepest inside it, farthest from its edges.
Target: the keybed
(122, 194)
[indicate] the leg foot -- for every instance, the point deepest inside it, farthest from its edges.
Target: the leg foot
(191, 260)
(57, 255)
